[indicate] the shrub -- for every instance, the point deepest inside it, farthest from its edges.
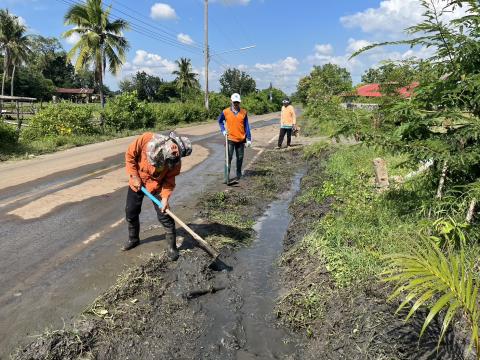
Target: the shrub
(64, 119)
(125, 111)
(217, 103)
(176, 113)
(8, 136)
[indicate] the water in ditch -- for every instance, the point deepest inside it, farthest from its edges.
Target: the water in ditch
(242, 322)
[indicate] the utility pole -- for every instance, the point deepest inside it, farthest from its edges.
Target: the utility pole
(207, 55)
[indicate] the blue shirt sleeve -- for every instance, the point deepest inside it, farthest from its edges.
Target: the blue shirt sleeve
(221, 122)
(247, 128)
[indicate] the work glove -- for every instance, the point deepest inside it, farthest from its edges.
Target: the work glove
(249, 143)
(224, 132)
(136, 183)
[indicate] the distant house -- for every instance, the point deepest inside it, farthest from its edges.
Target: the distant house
(373, 90)
(76, 95)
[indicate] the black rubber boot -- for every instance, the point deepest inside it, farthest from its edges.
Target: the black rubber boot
(172, 246)
(133, 235)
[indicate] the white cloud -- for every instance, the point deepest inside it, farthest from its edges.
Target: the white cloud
(281, 67)
(325, 49)
(185, 39)
(152, 64)
(392, 17)
(73, 39)
(355, 45)
(161, 11)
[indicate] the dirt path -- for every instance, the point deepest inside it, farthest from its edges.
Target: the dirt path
(61, 226)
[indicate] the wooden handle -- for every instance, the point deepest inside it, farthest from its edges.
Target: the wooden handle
(214, 253)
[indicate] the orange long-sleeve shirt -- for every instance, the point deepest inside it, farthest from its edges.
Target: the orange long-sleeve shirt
(287, 117)
(156, 180)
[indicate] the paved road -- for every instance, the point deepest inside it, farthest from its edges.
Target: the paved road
(61, 225)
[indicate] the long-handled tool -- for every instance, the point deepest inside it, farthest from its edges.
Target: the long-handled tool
(205, 245)
(227, 166)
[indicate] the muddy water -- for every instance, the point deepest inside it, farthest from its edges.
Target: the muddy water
(242, 324)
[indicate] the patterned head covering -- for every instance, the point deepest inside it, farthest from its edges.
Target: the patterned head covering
(167, 150)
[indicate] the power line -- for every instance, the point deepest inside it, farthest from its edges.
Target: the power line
(143, 30)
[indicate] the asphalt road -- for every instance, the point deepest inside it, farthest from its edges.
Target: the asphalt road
(61, 225)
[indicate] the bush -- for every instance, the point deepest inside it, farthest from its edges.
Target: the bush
(8, 135)
(177, 113)
(125, 111)
(64, 119)
(217, 103)
(260, 103)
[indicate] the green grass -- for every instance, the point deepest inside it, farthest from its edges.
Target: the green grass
(24, 149)
(363, 225)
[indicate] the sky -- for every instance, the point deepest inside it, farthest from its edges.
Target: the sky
(290, 37)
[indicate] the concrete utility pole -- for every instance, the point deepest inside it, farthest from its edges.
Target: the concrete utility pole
(207, 55)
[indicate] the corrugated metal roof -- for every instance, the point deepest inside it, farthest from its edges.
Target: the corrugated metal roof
(74, 91)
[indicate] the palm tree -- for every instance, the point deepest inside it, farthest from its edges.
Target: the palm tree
(101, 40)
(186, 79)
(20, 50)
(13, 43)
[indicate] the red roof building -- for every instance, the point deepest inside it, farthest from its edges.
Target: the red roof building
(373, 90)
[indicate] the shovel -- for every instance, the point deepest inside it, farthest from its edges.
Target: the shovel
(205, 245)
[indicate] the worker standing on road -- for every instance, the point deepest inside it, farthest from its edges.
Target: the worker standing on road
(237, 129)
(288, 122)
(153, 161)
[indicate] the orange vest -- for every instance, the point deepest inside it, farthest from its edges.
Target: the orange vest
(235, 124)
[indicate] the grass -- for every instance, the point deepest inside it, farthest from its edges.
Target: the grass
(25, 149)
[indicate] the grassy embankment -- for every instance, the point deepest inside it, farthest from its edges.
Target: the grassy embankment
(345, 243)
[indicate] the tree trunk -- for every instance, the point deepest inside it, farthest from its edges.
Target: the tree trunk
(442, 180)
(5, 69)
(13, 78)
(471, 211)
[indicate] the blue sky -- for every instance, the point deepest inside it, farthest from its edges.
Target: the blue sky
(290, 36)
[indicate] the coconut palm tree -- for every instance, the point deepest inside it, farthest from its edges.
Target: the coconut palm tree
(20, 50)
(13, 43)
(185, 79)
(101, 41)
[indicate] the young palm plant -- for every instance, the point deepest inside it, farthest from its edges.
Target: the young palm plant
(101, 41)
(185, 79)
(444, 282)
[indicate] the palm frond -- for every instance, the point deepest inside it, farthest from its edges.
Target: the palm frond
(442, 282)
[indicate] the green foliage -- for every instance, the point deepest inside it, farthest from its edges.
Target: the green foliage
(179, 113)
(236, 81)
(125, 111)
(64, 119)
(217, 102)
(325, 81)
(186, 80)
(8, 136)
(425, 276)
(259, 103)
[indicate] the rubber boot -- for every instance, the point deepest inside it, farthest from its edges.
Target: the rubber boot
(133, 235)
(172, 246)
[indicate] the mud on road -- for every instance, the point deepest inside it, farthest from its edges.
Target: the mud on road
(190, 309)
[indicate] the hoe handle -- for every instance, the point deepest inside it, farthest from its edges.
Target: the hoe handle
(212, 252)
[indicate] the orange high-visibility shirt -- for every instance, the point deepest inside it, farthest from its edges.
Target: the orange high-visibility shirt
(235, 124)
(156, 180)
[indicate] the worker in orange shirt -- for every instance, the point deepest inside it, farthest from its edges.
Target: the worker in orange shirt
(288, 121)
(233, 123)
(153, 160)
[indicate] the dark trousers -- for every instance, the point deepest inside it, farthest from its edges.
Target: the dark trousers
(239, 148)
(134, 207)
(282, 135)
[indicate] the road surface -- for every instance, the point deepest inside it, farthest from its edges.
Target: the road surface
(62, 227)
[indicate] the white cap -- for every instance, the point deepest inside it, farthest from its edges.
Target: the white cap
(235, 97)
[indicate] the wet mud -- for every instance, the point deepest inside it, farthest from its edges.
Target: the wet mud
(151, 313)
